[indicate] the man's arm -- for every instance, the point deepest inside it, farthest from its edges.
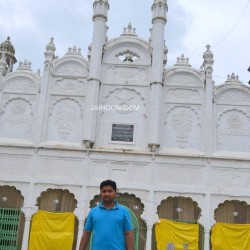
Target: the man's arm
(84, 239)
(129, 240)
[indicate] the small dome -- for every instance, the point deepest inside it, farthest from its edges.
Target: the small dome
(7, 47)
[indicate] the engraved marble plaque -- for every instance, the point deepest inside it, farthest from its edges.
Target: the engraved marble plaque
(122, 132)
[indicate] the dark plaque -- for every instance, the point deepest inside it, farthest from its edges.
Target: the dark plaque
(122, 132)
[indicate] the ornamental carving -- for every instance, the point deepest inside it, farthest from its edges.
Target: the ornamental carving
(182, 123)
(234, 96)
(69, 85)
(20, 85)
(123, 98)
(234, 122)
(66, 115)
(71, 69)
(183, 128)
(16, 119)
(233, 131)
(183, 94)
(183, 79)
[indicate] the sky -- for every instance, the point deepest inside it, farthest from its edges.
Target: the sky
(191, 25)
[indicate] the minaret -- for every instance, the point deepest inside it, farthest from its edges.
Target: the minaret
(208, 70)
(100, 17)
(7, 51)
(159, 12)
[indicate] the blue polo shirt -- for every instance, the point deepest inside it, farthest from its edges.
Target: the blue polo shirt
(108, 227)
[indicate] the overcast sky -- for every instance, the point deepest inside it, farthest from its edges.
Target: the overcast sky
(192, 24)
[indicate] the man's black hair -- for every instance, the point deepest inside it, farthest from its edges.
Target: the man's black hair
(108, 183)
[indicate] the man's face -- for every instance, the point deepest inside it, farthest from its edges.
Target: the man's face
(108, 193)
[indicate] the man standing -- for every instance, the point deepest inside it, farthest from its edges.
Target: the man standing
(109, 223)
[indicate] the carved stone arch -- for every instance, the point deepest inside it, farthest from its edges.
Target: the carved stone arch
(136, 206)
(16, 99)
(233, 211)
(179, 208)
(107, 97)
(134, 46)
(75, 66)
(232, 110)
(57, 200)
(64, 99)
(183, 77)
(224, 88)
(21, 82)
(10, 197)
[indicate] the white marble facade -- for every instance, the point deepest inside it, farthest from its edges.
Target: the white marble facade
(186, 136)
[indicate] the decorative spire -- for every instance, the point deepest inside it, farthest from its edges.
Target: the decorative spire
(49, 53)
(208, 61)
(182, 61)
(129, 31)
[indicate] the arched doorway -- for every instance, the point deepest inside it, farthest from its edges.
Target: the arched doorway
(136, 208)
(180, 209)
(12, 218)
(59, 201)
(232, 227)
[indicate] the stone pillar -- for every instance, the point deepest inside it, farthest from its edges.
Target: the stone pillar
(80, 231)
(149, 236)
(26, 233)
(208, 68)
(159, 11)
(150, 217)
(93, 85)
(207, 239)
(42, 106)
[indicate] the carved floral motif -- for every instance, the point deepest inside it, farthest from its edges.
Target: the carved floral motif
(65, 118)
(182, 124)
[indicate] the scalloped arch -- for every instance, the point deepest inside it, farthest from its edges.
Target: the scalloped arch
(182, 106)
(232, 211)
(10, 197)
(65, 98)
(132, 90)
(57, 200)
(230, 110)
(135, 45)
(179, 208)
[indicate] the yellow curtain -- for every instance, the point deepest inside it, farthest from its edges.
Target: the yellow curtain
(52, 231)
(226, 236)
(178, 233)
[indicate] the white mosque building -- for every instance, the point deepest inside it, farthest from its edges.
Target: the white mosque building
(177, 145)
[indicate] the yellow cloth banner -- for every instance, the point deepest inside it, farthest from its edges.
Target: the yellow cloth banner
(52, 231)
(226, 236)
(177, 233)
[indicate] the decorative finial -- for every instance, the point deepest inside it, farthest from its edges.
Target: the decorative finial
(129, 31)
(233, 79)
(182, 61)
